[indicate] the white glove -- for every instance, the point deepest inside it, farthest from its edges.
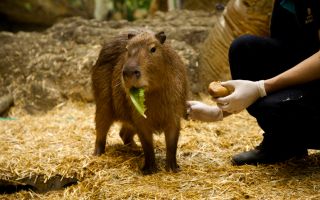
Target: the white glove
(203, 112)
(244, 94)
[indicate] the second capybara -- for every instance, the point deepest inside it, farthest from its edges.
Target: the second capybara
(140, 59)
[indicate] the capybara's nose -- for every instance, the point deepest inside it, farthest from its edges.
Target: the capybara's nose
(130, 72)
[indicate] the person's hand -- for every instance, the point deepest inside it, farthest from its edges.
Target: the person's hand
(244, 94)
(203, 112)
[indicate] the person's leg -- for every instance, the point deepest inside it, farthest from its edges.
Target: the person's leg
(255, 58)
(290, 120)
(281, 115)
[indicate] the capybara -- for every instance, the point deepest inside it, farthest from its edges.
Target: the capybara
(140, 59)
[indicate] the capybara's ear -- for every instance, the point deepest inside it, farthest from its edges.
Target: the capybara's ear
(161, 37)
(131, 35)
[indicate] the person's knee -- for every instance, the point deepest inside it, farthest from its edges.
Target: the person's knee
(240, 46)
(240, 55)
(265, 108)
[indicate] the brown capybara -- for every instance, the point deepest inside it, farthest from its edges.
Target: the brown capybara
(140, 59)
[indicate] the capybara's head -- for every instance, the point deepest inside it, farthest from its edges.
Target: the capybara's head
(144, 61)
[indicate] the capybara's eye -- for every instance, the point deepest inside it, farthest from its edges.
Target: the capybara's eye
(153, 49)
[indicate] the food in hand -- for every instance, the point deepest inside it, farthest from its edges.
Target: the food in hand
(215, 89)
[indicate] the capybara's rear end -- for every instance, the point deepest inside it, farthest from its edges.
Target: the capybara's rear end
(140, 59)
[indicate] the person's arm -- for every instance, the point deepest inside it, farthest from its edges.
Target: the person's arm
(246, 92)
(306, 71)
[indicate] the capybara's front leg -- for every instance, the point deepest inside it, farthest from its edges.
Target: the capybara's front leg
(146, 140)
(103, 123)
(172, 136)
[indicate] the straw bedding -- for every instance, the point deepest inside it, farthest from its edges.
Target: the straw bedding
(57, 148)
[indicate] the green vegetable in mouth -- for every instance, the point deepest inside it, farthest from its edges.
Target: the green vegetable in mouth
(137, 98)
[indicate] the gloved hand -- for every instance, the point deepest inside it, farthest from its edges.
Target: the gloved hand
(244, 94)
(203, 112)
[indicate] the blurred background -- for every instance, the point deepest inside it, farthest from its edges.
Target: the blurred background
(37, 14)
(48, 47)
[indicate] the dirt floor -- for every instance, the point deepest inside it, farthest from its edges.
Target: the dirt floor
(55, 150)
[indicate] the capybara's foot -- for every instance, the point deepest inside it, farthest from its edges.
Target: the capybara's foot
(173, 167)
(149, 169)
(98, 151)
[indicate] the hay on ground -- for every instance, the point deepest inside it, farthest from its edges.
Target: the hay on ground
(59, 145)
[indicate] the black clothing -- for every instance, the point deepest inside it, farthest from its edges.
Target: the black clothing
(288, 117)
(299, 30)
(263, 156)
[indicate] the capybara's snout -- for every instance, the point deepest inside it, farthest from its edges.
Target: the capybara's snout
(133, 74)
(131, 71)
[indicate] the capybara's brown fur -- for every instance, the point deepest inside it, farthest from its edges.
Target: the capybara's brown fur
(140, 59)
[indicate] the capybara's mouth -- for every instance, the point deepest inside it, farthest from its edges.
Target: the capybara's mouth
(137, 88)
(130, 84)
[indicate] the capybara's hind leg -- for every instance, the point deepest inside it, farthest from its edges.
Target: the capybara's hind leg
(171, 137)
(127, 133)
(149, 157)
(103, 124)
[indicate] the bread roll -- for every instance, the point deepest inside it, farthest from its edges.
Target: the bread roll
(215, 89)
